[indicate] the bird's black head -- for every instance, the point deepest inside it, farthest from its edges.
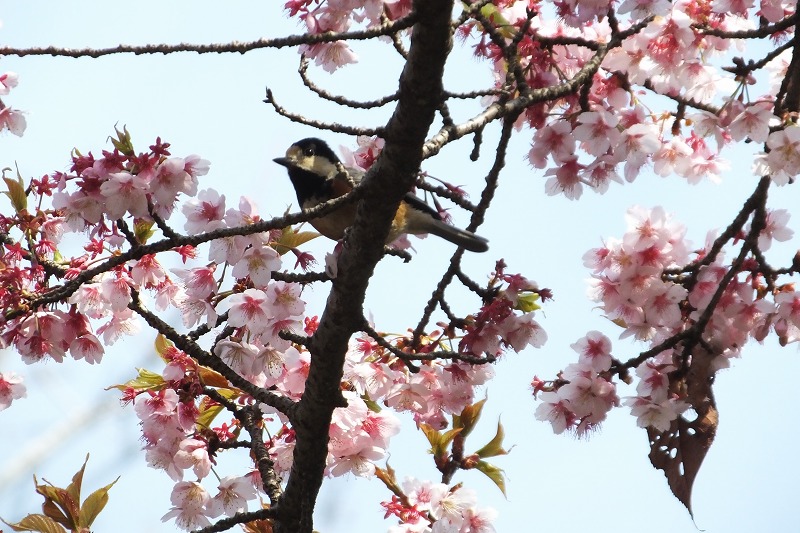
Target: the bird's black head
(313, 146)
(311, 165)
(312, 155)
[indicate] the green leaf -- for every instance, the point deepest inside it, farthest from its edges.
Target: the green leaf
(208, 411)
(147, 380)
(208, 415)
(74, 488)
(527, 303)
(143, 230)
(94, 504)
(162, 345)
(495, 446)
(493, 14)
(433, 436)
(16, 192)
(212, 378)
(372, 405)
(123, 141)
(469, 417)
(290, 239)
(439, 441)
(448, 436)
(493, 473)
(57, 504)
(37, 522)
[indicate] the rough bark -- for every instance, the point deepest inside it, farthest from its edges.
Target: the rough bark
(391, 177)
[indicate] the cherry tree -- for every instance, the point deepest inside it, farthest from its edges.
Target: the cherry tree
(600, 94)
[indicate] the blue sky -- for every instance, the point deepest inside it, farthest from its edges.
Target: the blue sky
(211, 105)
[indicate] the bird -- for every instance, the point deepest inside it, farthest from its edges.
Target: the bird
(316, 174)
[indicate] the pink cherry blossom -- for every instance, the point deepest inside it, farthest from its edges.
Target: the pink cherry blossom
(122, 323)
(775, 229)
(258, 263)
(653, 380)
(673, 156)
(195, 166)
(589, 396)
(11, 388)
(189, 500)
(200, 281)
(598, 132)
(249, 308)
(116, 290)
(13, 120)
(658, 415)
(407, 397)
(566, 179)
(234, 493)
(284, 300)
(784, 156)
(450, 507)
(555, 409)
(478, 520)
(193, 453)
(331, 56)
(8, 80)
(124, 193)
(42, 334)
(787, 326)
(90, 300)
(297, 363)
(554, 140)
(522, 331)
(240, 356)
(160, 455)
(752, 122)
(281, 451)
(202, 212)
(638, 143)
(148, 272)
(88, 348)
(594, 349)
(156, 404)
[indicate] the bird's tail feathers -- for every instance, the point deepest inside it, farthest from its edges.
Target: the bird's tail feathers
(463, 238)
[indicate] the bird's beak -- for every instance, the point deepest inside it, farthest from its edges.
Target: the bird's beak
(284, 161)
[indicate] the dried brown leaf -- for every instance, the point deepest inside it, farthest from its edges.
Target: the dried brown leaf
(680, 451)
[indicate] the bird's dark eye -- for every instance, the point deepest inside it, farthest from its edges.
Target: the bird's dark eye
(309, 151)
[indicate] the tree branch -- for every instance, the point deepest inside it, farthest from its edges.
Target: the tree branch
(384, 186)
(388, 28)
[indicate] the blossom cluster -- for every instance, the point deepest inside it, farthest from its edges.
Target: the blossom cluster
(587, 393)
(120, 201)
(91, 197)
(376, 385)
(506, 320)
(339, 16)
(611, 134)
(654, 288)
(436, 508)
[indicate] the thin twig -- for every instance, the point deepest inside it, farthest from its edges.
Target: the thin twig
(219, 48)
(330, 126)
(338, 99)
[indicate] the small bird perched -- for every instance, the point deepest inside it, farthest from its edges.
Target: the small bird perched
(316, 175)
